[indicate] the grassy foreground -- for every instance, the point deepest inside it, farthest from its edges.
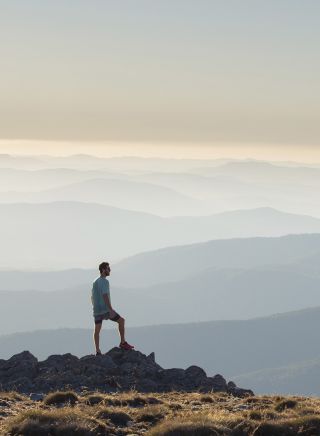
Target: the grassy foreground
(168, 414)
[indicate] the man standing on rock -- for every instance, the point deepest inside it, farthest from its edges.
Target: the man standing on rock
(102, 308)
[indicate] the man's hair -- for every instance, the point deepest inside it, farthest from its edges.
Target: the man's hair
(103, 266)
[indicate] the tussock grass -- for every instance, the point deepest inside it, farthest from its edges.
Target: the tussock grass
(151, 414)
(207, 399)
(285, 404)
(309, 426)
(12, 396)
(111, 401)
(255, 415)
(174, 406)
(135, 401)
(62, 397)
(92, 400)
(115, 416)
(63, 422)
(154, 400)
(165, 414)
(188, 426)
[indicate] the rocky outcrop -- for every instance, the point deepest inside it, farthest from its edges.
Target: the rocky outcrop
(117, 370)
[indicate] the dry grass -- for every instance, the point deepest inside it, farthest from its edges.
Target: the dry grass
(12, 396)
(94, 399)
(285, 404)
(68, 397)
(151, 414)
(165, 414)
(60, 422)
(117, 417)
(189, 426)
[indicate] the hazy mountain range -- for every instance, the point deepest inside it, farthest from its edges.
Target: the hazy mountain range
(212, 295)
(137, 184)
(229, 347)
(294, 253)
(216, 280)
(202, 254)
(77, 235)
(88, 162)
(300, 378)
(146, 197)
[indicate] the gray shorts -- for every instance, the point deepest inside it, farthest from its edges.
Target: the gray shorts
(104, 316)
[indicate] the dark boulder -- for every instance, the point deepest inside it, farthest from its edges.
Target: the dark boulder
(117, 370)
(234, 390)
(22, 365)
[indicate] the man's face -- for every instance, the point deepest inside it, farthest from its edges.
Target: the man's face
(107, 270)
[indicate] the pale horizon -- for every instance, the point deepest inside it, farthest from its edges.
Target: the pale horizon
(165, 150)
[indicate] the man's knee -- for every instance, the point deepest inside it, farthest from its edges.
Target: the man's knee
(121, 320)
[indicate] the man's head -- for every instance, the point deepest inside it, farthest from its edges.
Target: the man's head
(104, 269)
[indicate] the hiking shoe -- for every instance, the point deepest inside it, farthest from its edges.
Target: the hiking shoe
(126, 346)
(98, 353)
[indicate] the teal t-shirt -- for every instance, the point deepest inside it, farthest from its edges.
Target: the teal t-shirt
(100, 286)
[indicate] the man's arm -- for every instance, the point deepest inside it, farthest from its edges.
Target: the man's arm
(107, 301)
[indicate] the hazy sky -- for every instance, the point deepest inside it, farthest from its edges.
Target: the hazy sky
(161, 70)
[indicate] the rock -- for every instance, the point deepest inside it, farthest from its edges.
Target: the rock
(147, 385)
(103, 361)
(127, 367)
(36, 397)
(4, 403)
(231, 385)
(233, 389)
(117, 370)
(172, 375)
(219, 383)
(61, 362)
(20, 384)
(195, 372)
(152, 357)
(20, 365)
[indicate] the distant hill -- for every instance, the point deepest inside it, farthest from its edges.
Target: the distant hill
(209, 295)
(215, 187)
(125, 194)
(70, 234)
(228, 347)
(300, 378)
(85, 161)
(263, 171)
(20, 162)
(15, 280)
(291, 254)
(177, 263)
(15, 182)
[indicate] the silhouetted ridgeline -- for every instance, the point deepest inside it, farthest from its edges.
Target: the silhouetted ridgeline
(117, 370)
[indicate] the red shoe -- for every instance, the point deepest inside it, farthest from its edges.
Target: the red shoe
(126, 346)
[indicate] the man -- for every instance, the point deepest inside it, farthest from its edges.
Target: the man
(102, 308)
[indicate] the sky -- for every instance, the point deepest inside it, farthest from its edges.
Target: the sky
(206, 72)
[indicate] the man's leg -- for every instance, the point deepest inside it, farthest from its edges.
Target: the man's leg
(121, 327)
(121, 321)
(96, 336)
